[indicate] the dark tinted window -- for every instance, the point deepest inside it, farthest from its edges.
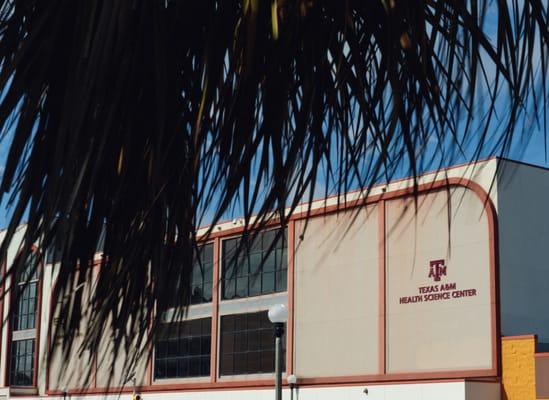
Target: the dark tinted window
(202, 275)
(53, 252)
(22, 363)
(183, 350)
(257, 267)
(53, 255)
(247, 344)
(26, 296)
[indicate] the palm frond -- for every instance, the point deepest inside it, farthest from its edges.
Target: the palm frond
(148, 119)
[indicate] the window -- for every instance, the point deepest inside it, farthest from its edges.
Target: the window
(183, 350)
(22, 362)
(247, 344)
(53, 252)
(53, 255)
(202, 275)
(24, 320)
(255, 268)
(24, 315)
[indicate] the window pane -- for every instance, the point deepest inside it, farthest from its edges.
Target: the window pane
(183, 367)
(196, 277)
(160, 369)
(207, 292)
(22, 363)
(184, 345)
(172, 346)
(207, 253)
(255, 285)
(267, 361)
(205, 366)
(255, 263)
(53, 254)
(194, 366)
(227, 343)
(172, 368)
(254, 341)
(181, 347)
(247, 344)
(240, 342)
(281, 280)
(229, 289)
(240, 364)
(202, 272)
(269, 264)
(195, 346)
(269, 240)
(162, 349)
(245, 265)
(281, 259)
(268, 282)
(226, 367)
(25, 307)
(242, 287)
(254, 364)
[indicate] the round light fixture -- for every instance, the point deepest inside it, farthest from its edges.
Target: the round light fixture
(278, 314)
(292, 380)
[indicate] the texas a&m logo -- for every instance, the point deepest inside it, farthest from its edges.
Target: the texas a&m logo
(437, 269)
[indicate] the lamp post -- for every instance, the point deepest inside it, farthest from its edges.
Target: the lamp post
(292, 382)
(278, 315)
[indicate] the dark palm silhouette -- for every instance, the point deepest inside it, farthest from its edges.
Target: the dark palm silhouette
(150, 118)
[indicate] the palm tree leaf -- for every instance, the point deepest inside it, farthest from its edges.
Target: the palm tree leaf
(141, 119)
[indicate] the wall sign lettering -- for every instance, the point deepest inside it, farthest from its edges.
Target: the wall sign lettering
(438, 291)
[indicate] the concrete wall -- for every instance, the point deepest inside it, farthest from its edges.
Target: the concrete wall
(80, 374)
(440, 331)
(337, 318)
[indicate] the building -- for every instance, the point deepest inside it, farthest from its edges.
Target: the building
(430, 297)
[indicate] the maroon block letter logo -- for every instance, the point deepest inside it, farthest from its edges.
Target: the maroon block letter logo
(437, 269)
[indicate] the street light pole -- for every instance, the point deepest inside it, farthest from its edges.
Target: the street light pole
(279, 331)
(278, 315)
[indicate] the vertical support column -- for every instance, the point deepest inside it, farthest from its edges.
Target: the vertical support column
(215, 309)
(6, 344)
(291, 293)
(42, 327)
(382, 252)
(279, 332)
(38, 349)
(149, 372)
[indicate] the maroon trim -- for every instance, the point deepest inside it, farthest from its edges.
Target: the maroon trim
(291, 299)
(382, 253)
(215, 309)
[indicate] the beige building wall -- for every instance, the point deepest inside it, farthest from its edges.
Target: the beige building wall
(13, 250)
(89, 365)
(80, 360)
(430, 328)
(337, 295)
(130, 361)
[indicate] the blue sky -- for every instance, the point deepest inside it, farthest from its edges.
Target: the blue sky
(528, 145)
